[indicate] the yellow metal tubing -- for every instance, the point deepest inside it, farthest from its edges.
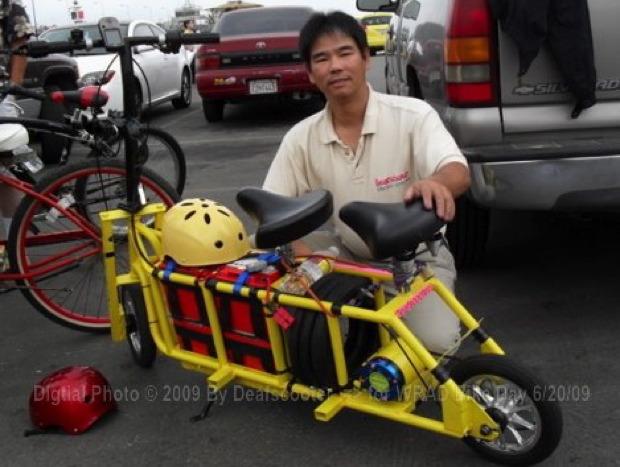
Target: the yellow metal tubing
(490, 346)
(329, 408)
(364, 403)
(335, 335)
(117, 320)
(463, 415)
(277, 344)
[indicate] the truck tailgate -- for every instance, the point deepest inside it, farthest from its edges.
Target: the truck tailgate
(539, 101)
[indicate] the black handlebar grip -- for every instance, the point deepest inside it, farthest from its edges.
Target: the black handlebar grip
(200, 38)
(21, 91)
(38, 49)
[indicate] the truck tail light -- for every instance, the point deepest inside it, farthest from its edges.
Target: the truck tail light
(470, 55)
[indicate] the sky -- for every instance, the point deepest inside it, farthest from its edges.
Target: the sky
(56, 12)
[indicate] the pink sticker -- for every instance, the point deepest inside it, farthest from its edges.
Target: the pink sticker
(413, 301)
(283, 318)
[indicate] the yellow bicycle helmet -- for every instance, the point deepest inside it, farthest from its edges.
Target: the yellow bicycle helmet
(201, 232)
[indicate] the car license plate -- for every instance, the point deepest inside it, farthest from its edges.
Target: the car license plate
(263, 86)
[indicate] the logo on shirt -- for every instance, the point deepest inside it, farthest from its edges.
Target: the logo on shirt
(385, 183)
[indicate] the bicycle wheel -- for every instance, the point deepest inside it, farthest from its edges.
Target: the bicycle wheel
(530, 422)
(161, 153)
(63, 260)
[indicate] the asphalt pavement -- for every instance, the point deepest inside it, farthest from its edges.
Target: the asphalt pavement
(548, 292)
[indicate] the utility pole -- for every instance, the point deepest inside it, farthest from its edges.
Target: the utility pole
(34, 19)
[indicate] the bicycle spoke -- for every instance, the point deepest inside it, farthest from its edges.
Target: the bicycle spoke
(61, 264)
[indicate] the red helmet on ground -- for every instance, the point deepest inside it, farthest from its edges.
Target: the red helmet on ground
(71, 398)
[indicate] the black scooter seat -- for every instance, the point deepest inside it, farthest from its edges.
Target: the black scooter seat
(391, 229)
(282, 219)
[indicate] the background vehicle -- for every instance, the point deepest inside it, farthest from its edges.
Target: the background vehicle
(55, 72)
(257, 56)
(376, 26)
(524, 150)
(168, 75)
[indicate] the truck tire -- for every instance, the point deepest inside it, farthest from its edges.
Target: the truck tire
(53, 146)
(467, 234)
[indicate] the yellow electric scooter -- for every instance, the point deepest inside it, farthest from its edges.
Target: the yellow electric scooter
(322, 328)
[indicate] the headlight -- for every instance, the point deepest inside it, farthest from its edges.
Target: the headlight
(96, 78)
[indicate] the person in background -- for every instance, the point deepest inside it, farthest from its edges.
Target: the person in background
(368, 146)
(15, 29)
(188, 26)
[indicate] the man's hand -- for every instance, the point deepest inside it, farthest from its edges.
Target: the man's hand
(440, 189)
(432, 193)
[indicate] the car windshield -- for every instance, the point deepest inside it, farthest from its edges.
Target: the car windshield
(375, 20)
(91, 31)
(262, 20)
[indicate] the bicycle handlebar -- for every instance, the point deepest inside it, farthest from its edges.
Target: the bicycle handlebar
(21, 91)
(170, 43)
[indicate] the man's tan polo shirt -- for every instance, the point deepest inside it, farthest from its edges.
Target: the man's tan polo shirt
(403, 140)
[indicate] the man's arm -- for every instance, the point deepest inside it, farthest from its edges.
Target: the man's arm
(441, 188)
(18, 63)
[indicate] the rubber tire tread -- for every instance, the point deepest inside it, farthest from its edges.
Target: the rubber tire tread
(550, 413)
(468, 233)
(308, 337)
(179, 102)
(213, 110)
(148, 353)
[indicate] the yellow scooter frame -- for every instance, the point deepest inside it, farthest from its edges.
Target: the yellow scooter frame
(462, 416)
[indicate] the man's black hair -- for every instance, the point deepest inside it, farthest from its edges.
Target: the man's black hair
(329, 23)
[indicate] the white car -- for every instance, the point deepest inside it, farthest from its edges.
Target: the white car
(166, 77)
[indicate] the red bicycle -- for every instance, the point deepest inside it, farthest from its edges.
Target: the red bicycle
(54, 244)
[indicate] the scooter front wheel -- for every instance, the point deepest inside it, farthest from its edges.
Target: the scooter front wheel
(531, 423)
(139, 336)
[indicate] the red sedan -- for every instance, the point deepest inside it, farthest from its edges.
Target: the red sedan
(257, 56)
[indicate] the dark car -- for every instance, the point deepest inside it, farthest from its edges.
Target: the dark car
(54, 72)
(257, 56)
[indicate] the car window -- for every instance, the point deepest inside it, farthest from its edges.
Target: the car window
(259, 21)
(90, 31)
(157, 31)
(143, 30)
(375, 20)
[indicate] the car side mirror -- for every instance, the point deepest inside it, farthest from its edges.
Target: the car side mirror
(378, 5)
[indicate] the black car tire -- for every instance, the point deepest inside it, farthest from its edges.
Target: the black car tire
(213, 110)
(467, 234)
(185, 99)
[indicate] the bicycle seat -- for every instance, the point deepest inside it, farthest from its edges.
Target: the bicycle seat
(390, 229)
(282, 219)
(84, 98)
(12, 136)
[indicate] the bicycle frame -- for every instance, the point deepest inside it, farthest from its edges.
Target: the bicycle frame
(60, 260)
(462, 415)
